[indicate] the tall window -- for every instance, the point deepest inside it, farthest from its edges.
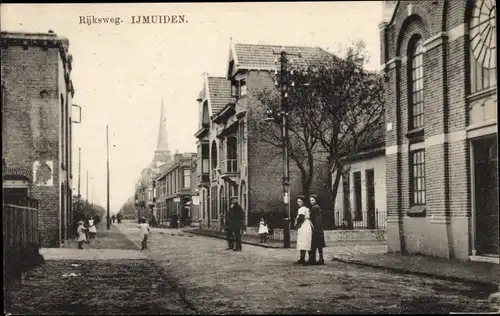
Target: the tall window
(187, 178)
(213, 205)
(483, 45)
(232, 155)
(417, 177)
(205, 157)
(416, 78)
(358, 209)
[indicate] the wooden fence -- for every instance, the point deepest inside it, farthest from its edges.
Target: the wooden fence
(20, 224)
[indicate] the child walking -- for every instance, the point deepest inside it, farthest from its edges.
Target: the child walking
(263, 230)
(81, 234)
(144, 230)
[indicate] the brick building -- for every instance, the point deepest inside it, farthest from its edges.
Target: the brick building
(145, 188)
(177, 192)
(37, 119)
(232, 159)
(441, 133)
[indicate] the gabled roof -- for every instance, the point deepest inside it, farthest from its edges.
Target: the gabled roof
(219, 89)
(257, 56)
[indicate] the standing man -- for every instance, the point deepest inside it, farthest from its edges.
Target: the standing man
(229, 232)
(236, 218)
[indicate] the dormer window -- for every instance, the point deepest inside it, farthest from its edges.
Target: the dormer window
(238, 88)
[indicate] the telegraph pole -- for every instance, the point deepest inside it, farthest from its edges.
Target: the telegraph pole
(87, 191)
(284, 132)
(79, 176)
(107, 165)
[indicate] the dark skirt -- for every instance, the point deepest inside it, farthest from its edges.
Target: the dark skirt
(318, 240)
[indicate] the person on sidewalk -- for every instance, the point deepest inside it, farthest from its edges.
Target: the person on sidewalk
(113, 218)
(228, 231)
(304, 230)
(81, 234)
(318, 234)
(92, 228)
(144, 230)
(263, 231)
(236, 217)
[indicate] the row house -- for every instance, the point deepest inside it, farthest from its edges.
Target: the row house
(233, 161)
(441, 133)
(37, 122)
(145, 203)
(363, 192)
(176, 191)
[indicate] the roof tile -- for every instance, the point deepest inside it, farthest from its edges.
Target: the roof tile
(256, 56)
(220, 93)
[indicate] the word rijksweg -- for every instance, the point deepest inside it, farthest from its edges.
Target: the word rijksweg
(92, 19)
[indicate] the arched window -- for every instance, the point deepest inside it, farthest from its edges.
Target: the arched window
(483, 45)
(415, 83)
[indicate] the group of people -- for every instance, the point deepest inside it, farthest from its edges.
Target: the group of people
(310, 233)
(117, 218)
(234, 222)
(86, 231)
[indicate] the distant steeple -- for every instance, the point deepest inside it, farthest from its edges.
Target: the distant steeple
(162, 153)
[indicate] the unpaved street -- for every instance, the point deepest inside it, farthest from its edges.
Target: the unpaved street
(260, 280)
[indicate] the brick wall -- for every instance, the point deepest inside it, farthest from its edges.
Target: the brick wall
(265, 162)
(28, 119)
(446, 86)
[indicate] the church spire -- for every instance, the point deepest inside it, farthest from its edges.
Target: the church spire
(162, 153)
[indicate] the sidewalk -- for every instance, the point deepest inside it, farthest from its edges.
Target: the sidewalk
(452, 270)
(245, 239)
(110, 276)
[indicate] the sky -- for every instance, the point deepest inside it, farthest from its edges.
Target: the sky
(122, 72)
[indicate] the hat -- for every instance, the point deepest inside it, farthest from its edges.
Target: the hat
(80, 222)
(314, 196)
(301, 197)
(144, 218)
(234, 197)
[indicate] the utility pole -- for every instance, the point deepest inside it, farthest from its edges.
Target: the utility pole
(107, 163)
(87, 191)
(79, 176)
(284, 132)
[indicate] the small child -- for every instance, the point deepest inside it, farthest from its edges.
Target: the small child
(144, 230)
(81, 234)
(263, 230)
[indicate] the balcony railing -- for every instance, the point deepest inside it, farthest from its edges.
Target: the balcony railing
(230, 166)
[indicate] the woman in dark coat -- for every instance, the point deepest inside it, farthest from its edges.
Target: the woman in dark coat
(318, 236)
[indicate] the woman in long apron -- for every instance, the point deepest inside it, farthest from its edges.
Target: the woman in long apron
(304, 230)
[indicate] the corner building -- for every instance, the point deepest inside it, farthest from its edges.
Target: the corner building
(37, 120)
(441, 135)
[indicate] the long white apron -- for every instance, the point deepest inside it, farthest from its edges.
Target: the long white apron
(304, 233)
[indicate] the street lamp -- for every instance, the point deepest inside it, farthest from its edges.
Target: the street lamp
(284, 82)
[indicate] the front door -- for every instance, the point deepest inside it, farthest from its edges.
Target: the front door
(486, 196)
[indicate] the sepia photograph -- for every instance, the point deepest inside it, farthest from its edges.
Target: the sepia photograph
(250, 158)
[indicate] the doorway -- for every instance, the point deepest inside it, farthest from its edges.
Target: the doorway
(370, 198)
(486, 196)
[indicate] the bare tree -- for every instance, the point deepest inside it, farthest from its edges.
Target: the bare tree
(350, 100)
(335, 111)
(267, 124)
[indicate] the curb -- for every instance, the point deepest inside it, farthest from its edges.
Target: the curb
(425, 274)
(224, 238)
